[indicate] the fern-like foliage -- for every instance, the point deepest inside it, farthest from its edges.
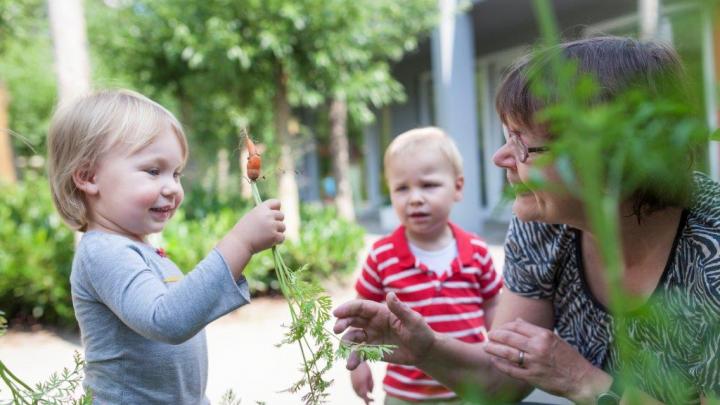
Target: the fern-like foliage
(60, 388)
(310, 310)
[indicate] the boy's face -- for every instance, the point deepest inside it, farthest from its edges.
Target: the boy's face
(135, 194)
(423, 187)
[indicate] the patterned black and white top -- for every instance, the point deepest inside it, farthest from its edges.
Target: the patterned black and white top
(674, 336)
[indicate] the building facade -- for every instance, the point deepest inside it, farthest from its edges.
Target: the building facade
(452, 78)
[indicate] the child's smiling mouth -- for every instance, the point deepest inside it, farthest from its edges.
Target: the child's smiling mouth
(163, 213)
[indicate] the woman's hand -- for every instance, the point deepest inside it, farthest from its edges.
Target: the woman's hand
(376, 323)
(539, 357)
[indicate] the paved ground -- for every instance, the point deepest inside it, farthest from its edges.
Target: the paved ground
(242, 354)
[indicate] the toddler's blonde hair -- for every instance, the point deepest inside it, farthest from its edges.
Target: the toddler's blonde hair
(431, 138)
(82, 131)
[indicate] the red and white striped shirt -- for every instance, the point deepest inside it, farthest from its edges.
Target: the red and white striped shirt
(452, 304)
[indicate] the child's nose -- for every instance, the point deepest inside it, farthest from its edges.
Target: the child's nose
(171, 187)
(416, 196)
(504, 158)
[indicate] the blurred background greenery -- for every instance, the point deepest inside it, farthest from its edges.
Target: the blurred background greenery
(289, 71)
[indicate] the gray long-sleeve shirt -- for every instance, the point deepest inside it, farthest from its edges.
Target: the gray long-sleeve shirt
(141, 321)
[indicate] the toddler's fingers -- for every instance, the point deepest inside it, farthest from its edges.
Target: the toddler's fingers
(273, 203)
(281, 227)
(279, 238)
(279, 216)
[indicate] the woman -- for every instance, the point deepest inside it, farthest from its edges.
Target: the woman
(555, 280)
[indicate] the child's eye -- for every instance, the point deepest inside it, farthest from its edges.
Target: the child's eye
(400, 188)
(153, 171)
(430, 185)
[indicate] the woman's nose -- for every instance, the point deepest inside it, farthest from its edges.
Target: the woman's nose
(504, 158)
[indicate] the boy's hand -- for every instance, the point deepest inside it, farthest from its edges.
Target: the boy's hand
(362, 382)
(262, 227)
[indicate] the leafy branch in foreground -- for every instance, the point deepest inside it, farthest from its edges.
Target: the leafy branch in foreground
(58, 389)
(309, 311)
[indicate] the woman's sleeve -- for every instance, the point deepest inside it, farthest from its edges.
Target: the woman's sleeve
(533, 256)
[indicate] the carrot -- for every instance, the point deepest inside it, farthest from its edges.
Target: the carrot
(254, 162)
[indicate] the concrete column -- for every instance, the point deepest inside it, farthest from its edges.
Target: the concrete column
(649, 16)
(453, 65)
(309, 178)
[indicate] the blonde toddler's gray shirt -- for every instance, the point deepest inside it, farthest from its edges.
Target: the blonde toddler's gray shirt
(142, 322)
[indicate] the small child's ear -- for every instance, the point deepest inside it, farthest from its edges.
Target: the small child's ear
(84, 179)
(459, 183)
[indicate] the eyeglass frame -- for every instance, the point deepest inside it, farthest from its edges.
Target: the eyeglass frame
(520, 149)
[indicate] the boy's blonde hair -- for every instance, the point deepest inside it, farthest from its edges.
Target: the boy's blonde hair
(82, 131)
(432, 138)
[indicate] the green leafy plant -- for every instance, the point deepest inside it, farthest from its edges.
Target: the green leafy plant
(604, 151)
(35, 255)
(60, 388)
(309, 311)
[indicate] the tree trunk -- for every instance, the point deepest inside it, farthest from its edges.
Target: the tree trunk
(223, 173)
(288, 188)
(72, 63)
(341, 158)
(7, 161)
(72, 60)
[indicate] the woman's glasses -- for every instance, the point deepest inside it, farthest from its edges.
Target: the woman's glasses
(520, 150)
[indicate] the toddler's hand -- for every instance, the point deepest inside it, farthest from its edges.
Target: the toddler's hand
(362, 382)
(262, 227)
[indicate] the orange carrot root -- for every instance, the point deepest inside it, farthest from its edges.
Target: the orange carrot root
(254, 162)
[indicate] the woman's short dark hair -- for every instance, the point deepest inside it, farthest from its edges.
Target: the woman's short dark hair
(617, 64)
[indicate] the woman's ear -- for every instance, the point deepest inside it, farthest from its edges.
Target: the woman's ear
(84, 179)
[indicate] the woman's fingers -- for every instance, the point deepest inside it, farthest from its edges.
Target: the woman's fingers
(524, 328)
(359, 308)
(341, 324)
(508, 353)
(509, 338)
(355, 336)
(404, 313)
(353, 361)
(510, 368)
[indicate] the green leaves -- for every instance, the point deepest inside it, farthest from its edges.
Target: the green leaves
(59, 389)
(365, 351)
(310, 311)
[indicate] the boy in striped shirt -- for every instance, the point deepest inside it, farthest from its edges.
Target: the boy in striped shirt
(435, 267)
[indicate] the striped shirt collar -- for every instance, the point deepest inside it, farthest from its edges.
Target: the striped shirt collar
(407, 259)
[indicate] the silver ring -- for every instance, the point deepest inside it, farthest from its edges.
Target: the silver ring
(521, 360)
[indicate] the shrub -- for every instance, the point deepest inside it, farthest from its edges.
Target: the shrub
(328, 244)
(35, 255)
(36, 250)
